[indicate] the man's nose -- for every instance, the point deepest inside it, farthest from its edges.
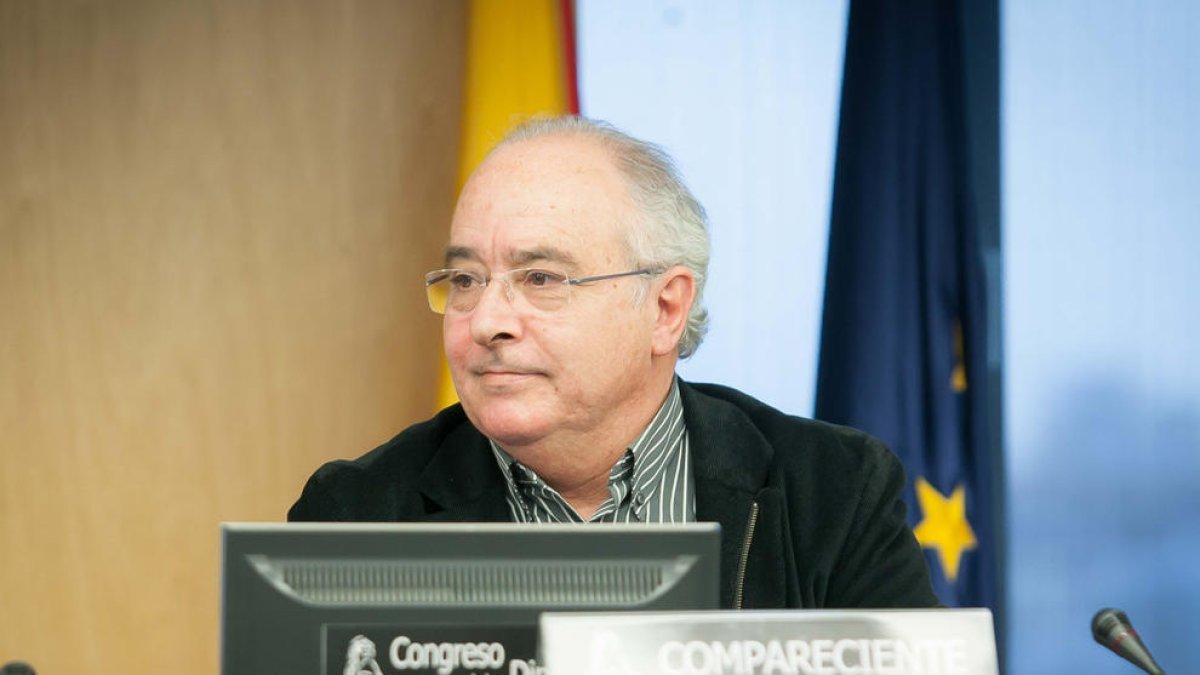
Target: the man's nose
(495, 318)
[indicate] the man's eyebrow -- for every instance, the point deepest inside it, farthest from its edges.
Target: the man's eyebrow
(537, 254)
(460, 253)
(544, 254)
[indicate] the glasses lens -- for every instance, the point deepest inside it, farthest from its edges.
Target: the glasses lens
(437, 290)
(458, 290)
(542, 289)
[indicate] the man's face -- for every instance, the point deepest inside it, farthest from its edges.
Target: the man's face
(524, 374)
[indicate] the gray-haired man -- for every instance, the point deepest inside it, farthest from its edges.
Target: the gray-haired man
(571, 287)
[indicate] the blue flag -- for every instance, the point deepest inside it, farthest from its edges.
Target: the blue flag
(903, 337)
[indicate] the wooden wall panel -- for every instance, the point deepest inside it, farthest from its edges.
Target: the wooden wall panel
(213, 220)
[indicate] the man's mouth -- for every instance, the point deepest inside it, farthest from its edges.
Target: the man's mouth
(504, 374)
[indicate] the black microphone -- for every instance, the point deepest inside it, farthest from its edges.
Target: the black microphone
(17, 668)
(1112, 629)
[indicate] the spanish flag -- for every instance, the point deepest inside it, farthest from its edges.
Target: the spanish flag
(520, 64)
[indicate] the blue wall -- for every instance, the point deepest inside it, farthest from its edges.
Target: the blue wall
(1102, 318)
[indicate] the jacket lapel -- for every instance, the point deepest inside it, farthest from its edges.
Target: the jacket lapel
(462, 483)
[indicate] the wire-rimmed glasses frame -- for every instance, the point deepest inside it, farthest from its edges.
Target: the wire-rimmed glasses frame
(461, 290)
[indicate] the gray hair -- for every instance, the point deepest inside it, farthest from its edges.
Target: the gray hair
(673, 228)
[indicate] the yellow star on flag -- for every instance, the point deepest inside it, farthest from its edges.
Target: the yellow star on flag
(944, 527)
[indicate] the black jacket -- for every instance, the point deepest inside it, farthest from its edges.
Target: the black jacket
(810, 513)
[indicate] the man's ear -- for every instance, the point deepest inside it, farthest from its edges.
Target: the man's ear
(674, 303)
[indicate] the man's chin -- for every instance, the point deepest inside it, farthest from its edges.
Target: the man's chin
(507, 420)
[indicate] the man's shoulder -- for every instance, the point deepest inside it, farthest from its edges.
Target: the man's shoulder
(351, 489)
(839, 488)
(413, 447)
(793, 438)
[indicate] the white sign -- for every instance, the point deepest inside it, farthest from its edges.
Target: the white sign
(801, 642)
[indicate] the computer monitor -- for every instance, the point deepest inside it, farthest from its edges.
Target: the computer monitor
(391, 599)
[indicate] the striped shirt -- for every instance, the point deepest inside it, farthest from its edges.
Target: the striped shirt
(651, 483)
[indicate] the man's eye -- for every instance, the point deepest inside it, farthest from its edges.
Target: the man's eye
(463, 282)
(540, 278)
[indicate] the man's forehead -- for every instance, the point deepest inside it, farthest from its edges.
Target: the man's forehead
(557, 167)
(557, 200)
(568, 153)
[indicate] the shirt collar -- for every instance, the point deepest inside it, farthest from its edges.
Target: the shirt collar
(648, 453)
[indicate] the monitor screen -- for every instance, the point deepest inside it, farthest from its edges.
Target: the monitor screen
(411, 599)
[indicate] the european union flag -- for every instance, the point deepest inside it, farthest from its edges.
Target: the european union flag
(903, 344)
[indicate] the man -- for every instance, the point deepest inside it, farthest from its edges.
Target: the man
(570, 289)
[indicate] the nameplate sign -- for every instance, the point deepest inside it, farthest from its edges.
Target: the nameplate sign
(804, 642)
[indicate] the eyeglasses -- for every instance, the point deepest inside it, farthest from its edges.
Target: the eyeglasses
(460, 290)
